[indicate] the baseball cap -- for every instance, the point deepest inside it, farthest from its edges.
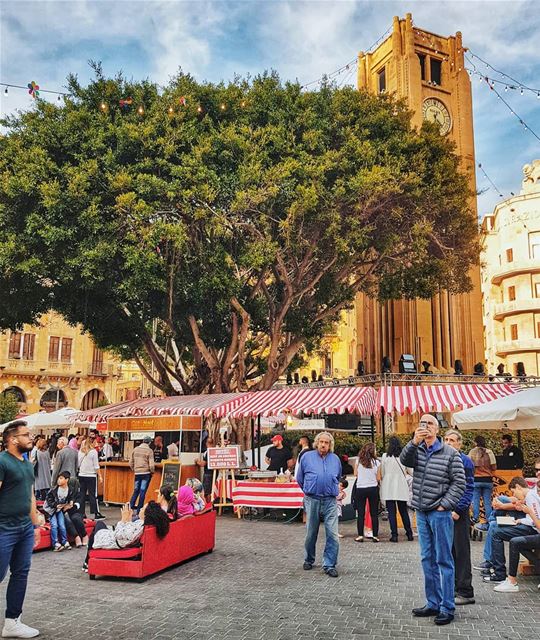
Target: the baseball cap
(277, 438)
(147, 439)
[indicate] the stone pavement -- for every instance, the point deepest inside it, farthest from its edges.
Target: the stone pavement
(253, 587)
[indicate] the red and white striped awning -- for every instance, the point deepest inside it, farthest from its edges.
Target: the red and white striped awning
(196, 405)
(443, 397)
(296, 400)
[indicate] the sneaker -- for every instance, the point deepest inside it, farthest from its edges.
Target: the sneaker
(462, 600)
(482, 565)
(14, 628)
(493, 578)
(506, 587)
(85, 567)
(332, 572)
(481, 526)
(58, 547)
(99, 516)
(67, 546)
(308, 566)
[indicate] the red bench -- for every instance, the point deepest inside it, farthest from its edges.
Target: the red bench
(45, 540)
(188, 537)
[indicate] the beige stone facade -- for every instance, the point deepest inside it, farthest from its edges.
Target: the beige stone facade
(428, 70)
(511, 279)
(53, 364)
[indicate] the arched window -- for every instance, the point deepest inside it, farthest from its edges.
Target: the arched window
(17, 392)
(94, 398)
(53, 399)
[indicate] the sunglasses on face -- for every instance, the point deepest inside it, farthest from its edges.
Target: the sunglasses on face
(537, 469)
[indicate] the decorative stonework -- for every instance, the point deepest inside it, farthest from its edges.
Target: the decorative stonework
(531, 177)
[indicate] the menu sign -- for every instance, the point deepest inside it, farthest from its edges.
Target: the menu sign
(223, 457)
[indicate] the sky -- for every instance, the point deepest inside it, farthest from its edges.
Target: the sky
(45, 40)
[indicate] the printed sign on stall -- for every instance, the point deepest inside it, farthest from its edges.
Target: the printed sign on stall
(223, 457)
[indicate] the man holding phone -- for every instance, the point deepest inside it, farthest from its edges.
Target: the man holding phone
(438, 485)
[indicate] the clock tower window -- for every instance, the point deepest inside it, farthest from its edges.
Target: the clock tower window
(381, 80)
(422, 59)
(435, 71)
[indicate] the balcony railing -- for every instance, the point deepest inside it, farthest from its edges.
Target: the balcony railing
(518, 346)
(516, 268)
(504, 309)
(97, 369)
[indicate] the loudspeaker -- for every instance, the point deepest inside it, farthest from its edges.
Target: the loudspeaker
(386, 366)
(458, 368)
(361, 368)
(296, 378)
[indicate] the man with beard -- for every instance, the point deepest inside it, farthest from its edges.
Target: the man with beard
(19, 524)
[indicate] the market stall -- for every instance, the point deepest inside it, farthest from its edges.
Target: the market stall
(177, 418)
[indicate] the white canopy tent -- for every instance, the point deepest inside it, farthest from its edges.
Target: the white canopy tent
(517, 411)
(61, 419)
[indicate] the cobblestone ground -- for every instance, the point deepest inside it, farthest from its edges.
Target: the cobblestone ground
(253, 586)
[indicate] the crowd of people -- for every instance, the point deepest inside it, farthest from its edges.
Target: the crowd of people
(55, 478)
(442, 484)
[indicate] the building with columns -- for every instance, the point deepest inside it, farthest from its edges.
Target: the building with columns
(52, 364)
(511, 279)
(428, 71)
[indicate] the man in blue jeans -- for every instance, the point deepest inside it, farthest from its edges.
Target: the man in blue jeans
(19, 528)
(438, 485)
(143, 465)
(318, 474)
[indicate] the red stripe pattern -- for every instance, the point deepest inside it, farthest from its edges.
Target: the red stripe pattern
(272, 495)
(197, 405)
(340, 400)
(448, 397)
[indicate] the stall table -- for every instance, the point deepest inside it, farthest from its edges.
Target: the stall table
(267, 495)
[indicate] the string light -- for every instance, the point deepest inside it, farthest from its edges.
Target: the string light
(513, 84)
(140, 110)
(199, 109)
(103, 106)
(171, 110)
(6, 92)
(490, 180)
(222, 106)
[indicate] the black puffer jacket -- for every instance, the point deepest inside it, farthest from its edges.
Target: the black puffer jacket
(438, 480)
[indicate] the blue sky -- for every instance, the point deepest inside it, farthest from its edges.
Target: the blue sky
(45, 40)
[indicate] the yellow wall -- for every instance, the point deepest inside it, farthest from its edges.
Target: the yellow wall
(514, 224)
(75, 378)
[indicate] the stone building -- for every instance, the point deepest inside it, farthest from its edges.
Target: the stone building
(511, 279)
(53, 364)
(428, 71)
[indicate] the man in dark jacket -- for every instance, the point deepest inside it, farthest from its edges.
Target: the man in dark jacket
(438, 485)
(461, 548)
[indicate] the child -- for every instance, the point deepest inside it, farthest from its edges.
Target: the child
(196, 485)
(54, 504)
(343, 484)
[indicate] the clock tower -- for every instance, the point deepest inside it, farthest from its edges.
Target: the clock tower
(428, 71)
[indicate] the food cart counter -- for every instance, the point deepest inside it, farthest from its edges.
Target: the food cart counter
(118, 480)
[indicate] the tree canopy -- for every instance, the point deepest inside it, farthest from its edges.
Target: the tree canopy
(217, 230)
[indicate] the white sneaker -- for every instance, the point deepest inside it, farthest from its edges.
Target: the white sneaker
(507, 587)
(58, 547)
(14, 628)
(66, 546)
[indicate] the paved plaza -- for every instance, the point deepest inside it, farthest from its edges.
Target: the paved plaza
(252, 586)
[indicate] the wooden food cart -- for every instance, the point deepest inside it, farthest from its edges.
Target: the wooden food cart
(118, 478)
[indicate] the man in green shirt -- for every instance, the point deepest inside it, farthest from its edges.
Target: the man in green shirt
(19, 524)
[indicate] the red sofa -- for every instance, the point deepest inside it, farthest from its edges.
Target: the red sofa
(188, 537)
(45, 540)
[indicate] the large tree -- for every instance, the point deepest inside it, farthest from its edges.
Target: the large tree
(216, 231)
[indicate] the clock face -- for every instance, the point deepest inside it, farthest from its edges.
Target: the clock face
(435, 111)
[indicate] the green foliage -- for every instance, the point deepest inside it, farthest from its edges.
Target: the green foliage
(350, 445)
(9, 407)
(244, 227)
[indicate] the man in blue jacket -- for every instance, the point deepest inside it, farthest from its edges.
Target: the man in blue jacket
(318, 474)
(438, 484)
(461, 549)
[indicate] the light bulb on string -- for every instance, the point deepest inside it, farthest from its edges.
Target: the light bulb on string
(140, 110)
(171, 111)
(103, 106)
(243, 103)
(538, 96)
(521, 92)
(506, 88)
(222, 106)
(6, 92)
(199, 109)
(58, 99)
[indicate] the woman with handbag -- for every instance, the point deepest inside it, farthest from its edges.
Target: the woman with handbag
(395, 489)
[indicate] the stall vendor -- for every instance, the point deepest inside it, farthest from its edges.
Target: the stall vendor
(279, 457)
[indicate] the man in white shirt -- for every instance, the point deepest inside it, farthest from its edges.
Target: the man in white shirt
(528, 502)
